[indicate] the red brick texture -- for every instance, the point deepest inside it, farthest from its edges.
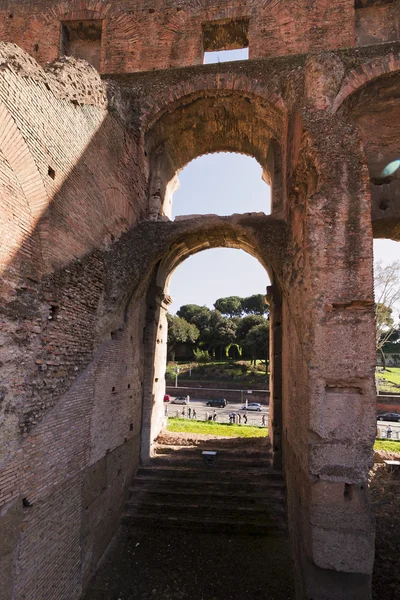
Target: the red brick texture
(137, 36)
(87, 250)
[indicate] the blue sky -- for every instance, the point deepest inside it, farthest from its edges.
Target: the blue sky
(224, 184)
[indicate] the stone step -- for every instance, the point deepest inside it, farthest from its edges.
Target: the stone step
(208, 523)
(156, 490)
(210, 486)
(211, 473)
(197, 460)
(164, 450)
(202, 509)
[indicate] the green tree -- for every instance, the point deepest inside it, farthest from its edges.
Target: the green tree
(255, 305)
(180, 332)
(195, 314)
(223, 334)
(257, 342)
(247, 323)
(231, 306)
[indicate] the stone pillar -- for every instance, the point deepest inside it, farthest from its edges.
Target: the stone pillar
(155, 354)
(328, 361)
(274, 300)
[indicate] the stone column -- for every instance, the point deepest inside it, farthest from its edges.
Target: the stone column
(328, 361)
(274, 300)
(155, 343)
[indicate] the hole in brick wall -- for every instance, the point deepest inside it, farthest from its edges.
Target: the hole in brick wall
(51, 172)
(131, 427)
(119, 472)
(129, 386)
(54, 310)
(36, 47)
(347, 491)
(10, 16)
(151, 10)
(82, 39)
(384, 204)
(225, 36)
(26, 503)
(113, 389)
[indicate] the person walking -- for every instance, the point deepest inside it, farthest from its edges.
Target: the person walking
(189, 412)
(214, 416)
(206, 416)
(194, 413)
(240, 418)
(263, 420)
(389, 432)
(245, 418)
(184, 411)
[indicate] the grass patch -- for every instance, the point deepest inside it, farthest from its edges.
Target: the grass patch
(387, 446)
(216, 429)
(240, 372)
(389, 380)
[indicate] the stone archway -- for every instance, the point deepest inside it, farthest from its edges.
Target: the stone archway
(201, 233)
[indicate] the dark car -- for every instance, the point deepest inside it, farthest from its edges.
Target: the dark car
(217, 403)
(389, 417)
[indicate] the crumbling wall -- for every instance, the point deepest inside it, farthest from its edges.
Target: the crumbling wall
(71, 378)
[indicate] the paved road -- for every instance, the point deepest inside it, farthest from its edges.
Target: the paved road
(253, 418)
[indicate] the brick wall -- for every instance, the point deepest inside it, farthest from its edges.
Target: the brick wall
(72, 183)
(138, 36)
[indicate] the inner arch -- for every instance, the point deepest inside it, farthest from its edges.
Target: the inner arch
(209, 122)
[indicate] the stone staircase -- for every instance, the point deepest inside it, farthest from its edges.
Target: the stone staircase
(239, 493)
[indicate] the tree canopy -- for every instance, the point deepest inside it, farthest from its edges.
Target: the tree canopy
(387, 295)
(216, 330)
(231, 306)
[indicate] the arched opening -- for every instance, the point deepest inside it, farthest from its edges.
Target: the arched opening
(211, 122)
(223, 184)
(158, 302)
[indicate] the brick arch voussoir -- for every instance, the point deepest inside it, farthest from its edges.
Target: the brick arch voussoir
(177, 95)
(263, 237)
(364, 74)
(78, 10)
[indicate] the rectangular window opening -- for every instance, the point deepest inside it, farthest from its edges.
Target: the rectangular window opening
(82, 39)
(369, 3)
(225, 40)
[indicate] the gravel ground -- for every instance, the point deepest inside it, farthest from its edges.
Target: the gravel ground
(171, 564)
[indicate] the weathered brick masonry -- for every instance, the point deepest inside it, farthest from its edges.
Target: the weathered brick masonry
(87, 172)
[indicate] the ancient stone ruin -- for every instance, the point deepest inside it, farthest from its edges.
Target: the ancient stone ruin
(89, 159)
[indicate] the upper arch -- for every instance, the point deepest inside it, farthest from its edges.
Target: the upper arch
(365, 73)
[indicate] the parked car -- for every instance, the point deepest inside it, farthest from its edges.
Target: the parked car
(389, 417)
(167, 398)
(217, 403)
(252, 406)
(179, 400)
